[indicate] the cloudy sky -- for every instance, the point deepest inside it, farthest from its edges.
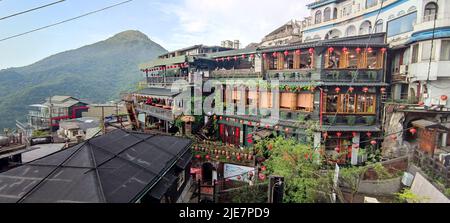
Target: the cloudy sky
(171, 23)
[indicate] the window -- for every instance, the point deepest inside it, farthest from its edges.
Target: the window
(327, 14)
(415, 54)
(350, 103)
(427, 52)
(366, 104)
(318, 17)
(401, 25)
(445, 50)
(430, 12)
(335, 13)
(365, 28)
(379, 26)
(371, 3)
(351, 31)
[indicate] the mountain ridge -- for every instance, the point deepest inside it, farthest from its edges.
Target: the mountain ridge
(98, 72)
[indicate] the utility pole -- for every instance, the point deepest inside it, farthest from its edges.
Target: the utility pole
(50, 114)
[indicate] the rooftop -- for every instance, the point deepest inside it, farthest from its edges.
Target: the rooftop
(118, 167)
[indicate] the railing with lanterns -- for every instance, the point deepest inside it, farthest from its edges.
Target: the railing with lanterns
(222, 152)
(159, 80)
(292, 75)
(352, 75)
(158, 111)
(236, 73)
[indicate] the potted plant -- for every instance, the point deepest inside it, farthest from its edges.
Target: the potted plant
(332, 119)
(370, 120)
(351, 120)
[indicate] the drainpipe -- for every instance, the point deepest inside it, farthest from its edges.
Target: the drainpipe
(321, 107)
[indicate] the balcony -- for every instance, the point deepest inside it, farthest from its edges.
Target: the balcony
(291, 75)
(399, 78)
(351, 75)
(166, 80)
(158, 111)
(238, 73)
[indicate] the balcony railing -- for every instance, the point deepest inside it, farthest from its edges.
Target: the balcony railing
(432, 166)
(351, 75)
(399, 77)
(166, 80)
(291, 75)
(157, 112)
(237, 73)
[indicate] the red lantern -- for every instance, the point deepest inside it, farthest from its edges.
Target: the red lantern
(337, 89)
(235, 58)
(365, 89)
(370, 50)
(369, 134)
(383, 90)
(358, 50)
(267, 126)
(311, 50)
(243, 56)
(345, 49)
(337, 149)
(239, 177)
(264, 55)
(339, 134)
(198, 156)
(373, 142)
(253, 56)
(228, 58)
(238, 158)
(413, 131)
(351, 89)
(444, 97)
(287, 129)
(263, 168)
(286, 53)
(354, 134)
(325, 135)
(421, 103)
(274, 54)
(383, 50)
(228, 119)
(262, 176)
(208, 157)
(249, 123)
(297, 52)
(220, 117)
(331, 49)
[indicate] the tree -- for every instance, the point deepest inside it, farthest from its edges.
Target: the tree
(304, 180)
(351, 178)
(407, 196)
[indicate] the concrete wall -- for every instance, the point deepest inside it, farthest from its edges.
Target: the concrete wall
(423, 188)
(380, 187)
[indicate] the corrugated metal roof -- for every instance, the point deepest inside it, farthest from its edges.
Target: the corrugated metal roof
(233, 52)
(157, 92)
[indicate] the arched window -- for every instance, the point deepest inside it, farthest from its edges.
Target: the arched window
(365, 28)
(335, 13)
(318, 18)
(351, 31)
(379, 26)
(327, 14)
(430, 12)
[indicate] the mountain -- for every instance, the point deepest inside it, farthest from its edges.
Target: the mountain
(97, 72)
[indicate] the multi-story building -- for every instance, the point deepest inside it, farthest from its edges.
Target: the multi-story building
(48, 114)
(288, 33)
(337, 85)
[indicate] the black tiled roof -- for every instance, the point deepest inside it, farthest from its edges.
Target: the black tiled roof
(115, 168)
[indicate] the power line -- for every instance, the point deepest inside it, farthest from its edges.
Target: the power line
(64, 21)
(30, 10)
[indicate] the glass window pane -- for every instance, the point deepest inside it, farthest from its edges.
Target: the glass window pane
(427, 52)
(401, 25)
(445, 50)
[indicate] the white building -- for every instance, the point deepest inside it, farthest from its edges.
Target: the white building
(419, 63)
(289, 32)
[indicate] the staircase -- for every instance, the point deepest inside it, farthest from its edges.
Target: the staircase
(131, 111)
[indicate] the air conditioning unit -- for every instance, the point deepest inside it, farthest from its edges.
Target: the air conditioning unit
(403, 69)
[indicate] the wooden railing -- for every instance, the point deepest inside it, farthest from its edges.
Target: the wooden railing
(237, 73)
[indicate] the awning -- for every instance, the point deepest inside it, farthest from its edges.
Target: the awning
(425, 124)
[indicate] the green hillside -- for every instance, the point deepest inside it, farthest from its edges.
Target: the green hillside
(97, 73)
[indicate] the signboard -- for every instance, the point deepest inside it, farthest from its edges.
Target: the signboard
(233, 172)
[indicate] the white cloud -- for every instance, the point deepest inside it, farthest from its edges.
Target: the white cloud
(211, 21)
